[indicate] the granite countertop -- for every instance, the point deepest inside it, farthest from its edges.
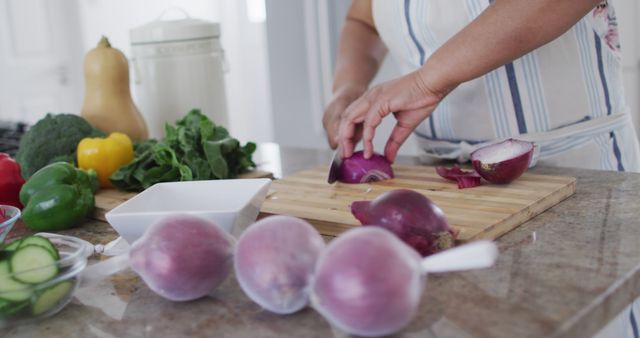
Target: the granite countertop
(565, 273)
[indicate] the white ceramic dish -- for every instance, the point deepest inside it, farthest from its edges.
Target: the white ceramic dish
(232, 204)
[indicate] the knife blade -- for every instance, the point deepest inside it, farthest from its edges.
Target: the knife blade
(334, 167)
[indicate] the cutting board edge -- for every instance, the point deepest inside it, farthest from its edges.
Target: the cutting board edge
(496, 231)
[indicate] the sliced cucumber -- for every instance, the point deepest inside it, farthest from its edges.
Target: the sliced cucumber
(11, 290)
(33, 264)
(41, 241)
(50, 297)
(5, 305)
(4, 255)
(10, 308)
(12, 246)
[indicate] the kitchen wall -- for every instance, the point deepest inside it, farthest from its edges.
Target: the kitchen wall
(40, 58)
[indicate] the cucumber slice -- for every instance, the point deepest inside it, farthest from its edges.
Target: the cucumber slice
(4, 255)
(12, 246)
(9, 308)
(11, 290)
(33, 264)
(50, 297)
(41, 241)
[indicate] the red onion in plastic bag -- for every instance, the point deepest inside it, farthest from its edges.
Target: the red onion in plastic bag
(182, 257)
(369, 283)
(274, 262)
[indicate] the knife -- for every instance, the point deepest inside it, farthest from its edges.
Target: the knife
(334, 167)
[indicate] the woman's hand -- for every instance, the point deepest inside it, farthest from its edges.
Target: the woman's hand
(410, 98)
(335, 111)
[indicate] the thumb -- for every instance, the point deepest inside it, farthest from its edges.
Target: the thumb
(399, 134)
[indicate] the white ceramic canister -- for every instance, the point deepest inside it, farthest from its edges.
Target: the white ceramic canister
(178, 65)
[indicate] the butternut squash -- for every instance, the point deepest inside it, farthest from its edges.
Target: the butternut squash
(107, 102)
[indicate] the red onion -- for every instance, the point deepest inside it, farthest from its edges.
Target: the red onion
(357, 169)
(367, 282)
(465, 179)
(182, 257)
(411, 216)
(503, 162)
(274, 262)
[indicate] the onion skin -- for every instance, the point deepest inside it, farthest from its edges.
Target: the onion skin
(504, 171)
(357, 169)
(274, 262)
(182, 257)
(367, 282)
(411, 216)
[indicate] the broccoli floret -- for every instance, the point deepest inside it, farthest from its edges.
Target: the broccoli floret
(54, 138)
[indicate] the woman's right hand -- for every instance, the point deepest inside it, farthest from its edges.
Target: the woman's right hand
(334, 111)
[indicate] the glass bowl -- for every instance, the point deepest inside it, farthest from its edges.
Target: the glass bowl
(29, 303)
(12, 214)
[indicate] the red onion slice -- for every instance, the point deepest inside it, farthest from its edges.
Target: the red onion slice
(465, 179)
(357, 169)
(503, 162)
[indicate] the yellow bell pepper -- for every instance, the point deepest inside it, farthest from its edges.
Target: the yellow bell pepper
(105, 155)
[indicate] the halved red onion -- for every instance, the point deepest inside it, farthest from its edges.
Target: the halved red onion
(357, 169)
(503, 162)
(465, 179)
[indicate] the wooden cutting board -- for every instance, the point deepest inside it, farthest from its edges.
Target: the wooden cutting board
(107, 199)
(485, 212)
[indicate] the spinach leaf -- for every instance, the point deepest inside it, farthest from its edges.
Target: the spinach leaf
(194, 149)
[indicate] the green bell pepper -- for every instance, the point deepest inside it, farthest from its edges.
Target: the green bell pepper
(58, 196)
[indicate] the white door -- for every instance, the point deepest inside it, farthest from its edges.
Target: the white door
(40, 59)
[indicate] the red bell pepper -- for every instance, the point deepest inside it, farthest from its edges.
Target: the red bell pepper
(10, 181)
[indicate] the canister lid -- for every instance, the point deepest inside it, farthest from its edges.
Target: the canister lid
(161, 30)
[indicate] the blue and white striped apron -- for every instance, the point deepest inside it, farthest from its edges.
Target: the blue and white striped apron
(567, 96)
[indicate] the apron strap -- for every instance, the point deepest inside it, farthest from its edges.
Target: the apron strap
(434, 150)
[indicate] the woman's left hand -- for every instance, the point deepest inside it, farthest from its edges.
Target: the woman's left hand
(409, 98)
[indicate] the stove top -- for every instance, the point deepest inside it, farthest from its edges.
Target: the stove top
(10, 134)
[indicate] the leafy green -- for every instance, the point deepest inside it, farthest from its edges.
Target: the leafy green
(194, 149)
(54, 138)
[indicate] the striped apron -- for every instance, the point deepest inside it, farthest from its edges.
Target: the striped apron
(566, 96)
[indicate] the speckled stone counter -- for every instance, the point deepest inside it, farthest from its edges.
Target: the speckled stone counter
(565, 273)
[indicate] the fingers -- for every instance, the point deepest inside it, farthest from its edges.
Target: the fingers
(350, 130)
(372, 121)
(398, 136)
(332, 134)
(331, 120)
(360, 121)
(348, 138)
